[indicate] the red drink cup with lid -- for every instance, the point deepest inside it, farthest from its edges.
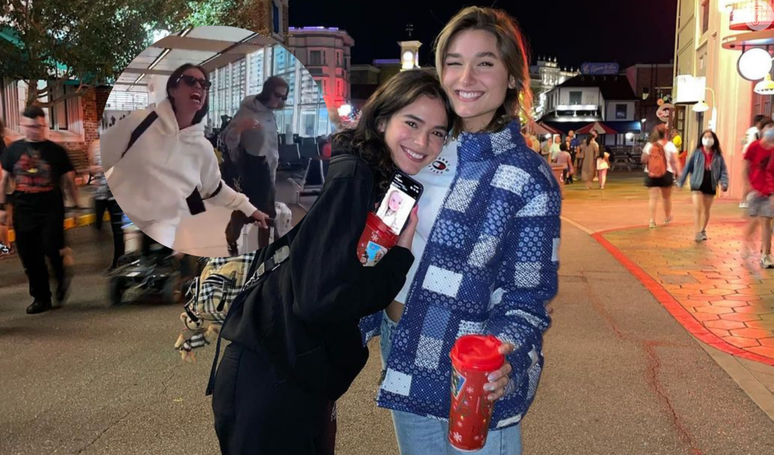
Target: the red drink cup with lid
(377, 238)
(473, 358)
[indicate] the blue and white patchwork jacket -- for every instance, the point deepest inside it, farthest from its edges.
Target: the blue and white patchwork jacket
(489, 267)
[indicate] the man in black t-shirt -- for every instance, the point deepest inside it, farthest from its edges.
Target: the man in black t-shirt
(40, 169)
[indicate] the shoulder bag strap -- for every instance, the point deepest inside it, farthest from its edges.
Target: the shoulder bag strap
(140, 129)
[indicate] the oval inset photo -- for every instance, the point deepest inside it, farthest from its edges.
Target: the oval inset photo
(212, 139)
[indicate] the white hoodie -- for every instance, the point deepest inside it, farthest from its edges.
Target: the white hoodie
(161, 169)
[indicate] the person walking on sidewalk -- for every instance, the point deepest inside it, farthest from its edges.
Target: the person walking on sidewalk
(659, 179)
(41, 170)
(751, 135)
(760, 208)
(104, 201)
(590, 154)
(603, 164)
(565, 160)
(5, 242)
(708, 170)
(253, 155)
(488, 239)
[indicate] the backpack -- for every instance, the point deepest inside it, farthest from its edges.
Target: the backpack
(657, 161)
(212, 293)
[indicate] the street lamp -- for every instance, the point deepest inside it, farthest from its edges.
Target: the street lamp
(701, 106)
(765, 87)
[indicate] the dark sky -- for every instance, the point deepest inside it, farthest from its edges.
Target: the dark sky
(574, 31)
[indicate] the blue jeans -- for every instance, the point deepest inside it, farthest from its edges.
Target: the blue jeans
(418, 435)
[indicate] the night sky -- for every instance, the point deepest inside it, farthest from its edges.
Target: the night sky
(574, 31)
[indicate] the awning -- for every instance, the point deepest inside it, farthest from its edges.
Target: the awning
(599, 127)
(541, 129)
(626, 126)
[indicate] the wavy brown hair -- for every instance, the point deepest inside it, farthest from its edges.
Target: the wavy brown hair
(513, 53)
(367, 141)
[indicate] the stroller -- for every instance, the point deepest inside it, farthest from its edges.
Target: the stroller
(153, 270)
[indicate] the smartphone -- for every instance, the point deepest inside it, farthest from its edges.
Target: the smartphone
(403, 195)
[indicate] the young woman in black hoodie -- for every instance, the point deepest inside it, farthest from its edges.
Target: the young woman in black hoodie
(275, 388)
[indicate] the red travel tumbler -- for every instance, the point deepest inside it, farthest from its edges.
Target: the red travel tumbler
(376, 241)
(473, 358)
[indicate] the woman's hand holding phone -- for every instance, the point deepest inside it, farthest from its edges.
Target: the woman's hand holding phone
(407, 237)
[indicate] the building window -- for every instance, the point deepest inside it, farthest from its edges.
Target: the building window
(339, 88)
(705, 9)
(317, 58)
(256, 78)
(620, 111)
(338, 58)
(576, 98)
(275, 15)
(56, 114)
(325, 87)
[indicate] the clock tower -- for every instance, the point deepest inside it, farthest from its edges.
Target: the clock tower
(409, 55)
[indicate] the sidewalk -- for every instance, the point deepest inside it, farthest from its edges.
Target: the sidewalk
(723, 300)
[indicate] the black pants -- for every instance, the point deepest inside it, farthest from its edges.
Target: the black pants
(256, 183)
(116, 221)
(41, 235)
(259, 411)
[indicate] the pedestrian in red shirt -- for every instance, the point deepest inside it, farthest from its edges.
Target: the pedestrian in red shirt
(759, 172)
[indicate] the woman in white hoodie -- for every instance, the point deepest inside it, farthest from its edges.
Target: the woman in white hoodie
(162, 165)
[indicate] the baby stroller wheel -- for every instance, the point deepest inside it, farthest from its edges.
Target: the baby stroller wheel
(117, 288)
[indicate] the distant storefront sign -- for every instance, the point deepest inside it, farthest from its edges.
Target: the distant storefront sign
(599, 68)
(689, 89)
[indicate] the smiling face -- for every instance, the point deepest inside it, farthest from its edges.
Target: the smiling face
(189, 94)
(416, 134)
(475, 77)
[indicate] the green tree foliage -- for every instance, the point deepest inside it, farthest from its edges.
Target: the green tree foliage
(90, 42)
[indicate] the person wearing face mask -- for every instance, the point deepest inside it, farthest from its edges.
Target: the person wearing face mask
(163, 166)
(40, 170)
(253, 154)
(759, 177)
(707, 169)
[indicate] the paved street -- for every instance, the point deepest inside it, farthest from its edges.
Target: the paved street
(625, 373)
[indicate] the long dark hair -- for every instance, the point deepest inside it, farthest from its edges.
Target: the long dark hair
(174, 80)
(590, 137)
(716, 147)
(367, 142)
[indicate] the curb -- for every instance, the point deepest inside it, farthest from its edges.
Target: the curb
(691, 324)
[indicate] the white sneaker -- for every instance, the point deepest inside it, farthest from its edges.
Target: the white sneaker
(743, 205)
(767, 262)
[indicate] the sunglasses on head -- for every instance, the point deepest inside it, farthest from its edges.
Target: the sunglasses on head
(191, 81)
(280, 96)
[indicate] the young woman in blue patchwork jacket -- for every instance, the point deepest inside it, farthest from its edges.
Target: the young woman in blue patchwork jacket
(488, 239)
